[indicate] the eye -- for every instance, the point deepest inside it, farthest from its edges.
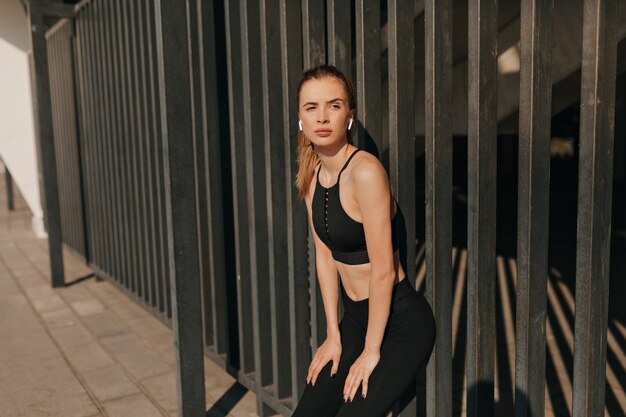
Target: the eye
(335, 106)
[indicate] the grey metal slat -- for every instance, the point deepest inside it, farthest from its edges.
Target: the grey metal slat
(109, 154)
(194, 19)
(103, 154)
(597, 118)
(175, 100)
(240, 205)
(401, 91)
(275, 184)
(339, 37)
(368, 78)
(255, 172)
(117, 135)
(438, 148)
(131, 134)
(295, 215)
(533, 206)
(214, 132)
(313, 33)
(144, 267)
(148, 211)
(481, 211)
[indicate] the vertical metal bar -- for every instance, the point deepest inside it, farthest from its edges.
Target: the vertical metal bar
(213, 134)
(314, 53)
(276, 187)
(82, 172)
(43, 114)
(131, 135)
(116, 137)
(368, 79)
(438, 149)
(108, 156)
(597, 122)
(163, 289)
(194, 19)
(481, 212)
(313, 30)
(135, 144)
(83, 129)
(9, 186)
(101, 122)
(533, 206)
(401, 80)
(175, 99)
(339, 36)
(291, 61)
(255, 173)
(240, 203)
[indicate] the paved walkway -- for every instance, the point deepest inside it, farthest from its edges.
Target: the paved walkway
(87, 349)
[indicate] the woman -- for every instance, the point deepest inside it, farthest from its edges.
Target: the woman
(387, 331)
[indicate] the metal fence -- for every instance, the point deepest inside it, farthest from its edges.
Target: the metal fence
(138, 71)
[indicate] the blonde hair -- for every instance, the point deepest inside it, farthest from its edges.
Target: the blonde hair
(306, 157)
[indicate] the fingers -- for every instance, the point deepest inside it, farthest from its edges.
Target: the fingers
(317, 364)
(354, 379)
(335, 366)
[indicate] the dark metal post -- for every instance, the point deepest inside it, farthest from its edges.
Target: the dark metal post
(368, 85)
(338, 24)
(533, 206)
(597, 118)
(175, 104)
(9, 185)
(401, 64)
(438, 121)
(45, 142)
(481, 211)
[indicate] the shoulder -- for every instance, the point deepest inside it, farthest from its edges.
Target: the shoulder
(367, 170)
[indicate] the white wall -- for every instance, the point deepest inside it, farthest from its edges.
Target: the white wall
(17, 132)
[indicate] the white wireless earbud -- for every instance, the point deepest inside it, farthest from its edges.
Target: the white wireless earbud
(300, 124)
(350, 124)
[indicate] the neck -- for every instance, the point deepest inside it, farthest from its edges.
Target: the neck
(334, 158)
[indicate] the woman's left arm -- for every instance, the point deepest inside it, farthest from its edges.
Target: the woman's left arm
(372, 193)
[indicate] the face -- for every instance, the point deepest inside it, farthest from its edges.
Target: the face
(324, 111)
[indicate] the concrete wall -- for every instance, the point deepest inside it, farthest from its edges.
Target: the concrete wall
(17, 131)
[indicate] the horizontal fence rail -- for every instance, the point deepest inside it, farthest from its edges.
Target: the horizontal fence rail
(168, 173)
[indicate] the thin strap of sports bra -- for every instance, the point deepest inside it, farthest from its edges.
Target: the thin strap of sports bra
(344, 166)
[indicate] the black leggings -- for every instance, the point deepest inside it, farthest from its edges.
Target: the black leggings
(407, 344)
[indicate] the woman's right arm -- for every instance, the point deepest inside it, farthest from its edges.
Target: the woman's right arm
(328, 279)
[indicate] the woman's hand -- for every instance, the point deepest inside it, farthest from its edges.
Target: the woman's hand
(330, 350)
(360, 372)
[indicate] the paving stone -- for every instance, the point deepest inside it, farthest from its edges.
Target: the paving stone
(23, 272)
(88, 306)
(163, 389)
(216, 376)
(30, 281)
(123, 342)
(143, 364)
(71, 335)
(44, 299)
(109, 383)
(129, 310)
(148, 327)
(88, 357)
(104, 324)
(60, 318)
(164, 344)
(43, 388)
(134, 405)
(76, 292)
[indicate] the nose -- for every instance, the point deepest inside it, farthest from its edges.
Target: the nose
(322, 115)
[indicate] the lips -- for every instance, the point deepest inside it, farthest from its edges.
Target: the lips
(323, 132)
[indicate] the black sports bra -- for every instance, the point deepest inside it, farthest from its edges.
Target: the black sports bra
(343, 235)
